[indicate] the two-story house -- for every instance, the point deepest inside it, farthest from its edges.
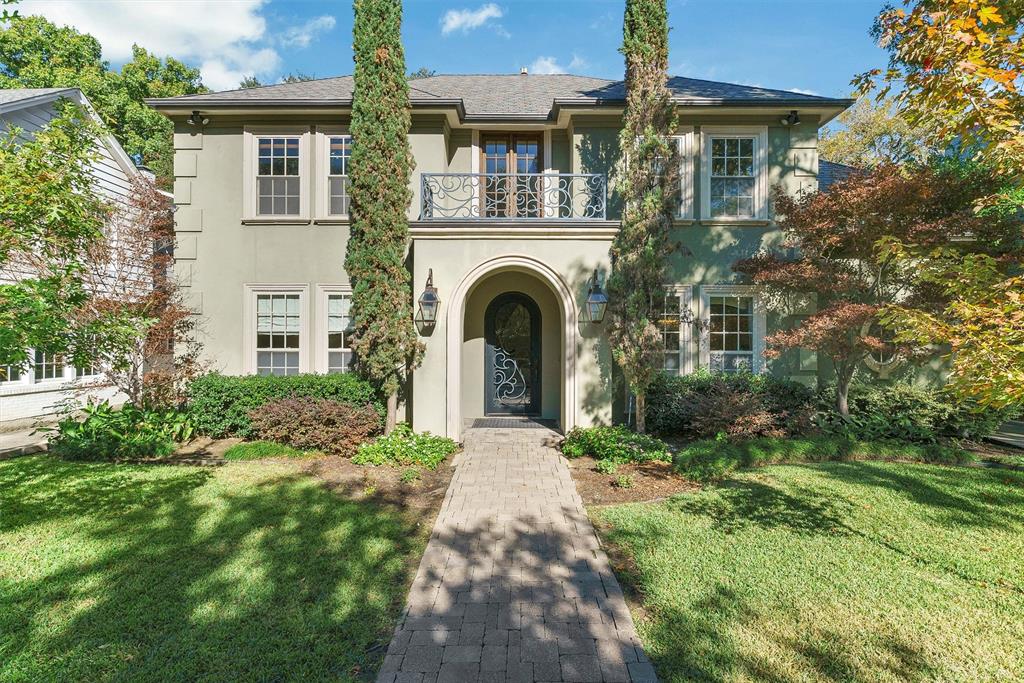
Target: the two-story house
(513, 213)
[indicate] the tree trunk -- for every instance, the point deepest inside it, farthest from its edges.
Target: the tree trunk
(842, 395)
(392, 415)
(641, 412)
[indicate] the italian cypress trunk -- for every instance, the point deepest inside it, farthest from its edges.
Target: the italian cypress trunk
(647, 182)
(384, 339)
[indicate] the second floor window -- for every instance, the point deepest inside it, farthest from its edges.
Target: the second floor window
(512, 185)
(733, 177)
(278, 176)
(339, 150)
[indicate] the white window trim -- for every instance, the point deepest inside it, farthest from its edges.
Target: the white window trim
(685, 294)
(685, 140)
(250, 157)
(760, 135)
(322, 167)
(322, 292)
(760, 322)
(250, 291)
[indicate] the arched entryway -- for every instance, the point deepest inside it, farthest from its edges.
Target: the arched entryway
(513, 363)
(466, 338)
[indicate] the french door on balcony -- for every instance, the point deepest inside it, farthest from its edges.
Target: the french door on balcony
(512, 185)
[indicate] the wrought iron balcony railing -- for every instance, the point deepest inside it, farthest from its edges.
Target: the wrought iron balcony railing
(514, 196)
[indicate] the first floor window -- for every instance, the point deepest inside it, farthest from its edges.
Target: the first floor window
(669, 319)
(733, 178)
(731, 333)
(339, 327)
(278, 318)
(10, 373)
(47, 366)
(87, 370)
(339, 151)
(278, 176)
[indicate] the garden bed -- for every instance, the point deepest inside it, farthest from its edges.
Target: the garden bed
(652, 480)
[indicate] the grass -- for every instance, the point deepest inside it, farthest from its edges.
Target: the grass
(833, 571)
(257, 450)
(171, 573)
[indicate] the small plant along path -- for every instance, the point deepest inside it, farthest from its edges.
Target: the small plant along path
(514, 585)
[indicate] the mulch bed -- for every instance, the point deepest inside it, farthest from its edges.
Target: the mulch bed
(651, 481)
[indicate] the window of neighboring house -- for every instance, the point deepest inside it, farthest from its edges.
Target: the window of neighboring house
(278, 182)
(10, 373)
(731, 333)
(278, 331)
(668, 316)
(47, 366)
(87, 371)
(339, 327)
(339, 150)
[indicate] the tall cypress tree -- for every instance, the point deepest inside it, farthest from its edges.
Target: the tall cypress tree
(648, 181)
(384, 339)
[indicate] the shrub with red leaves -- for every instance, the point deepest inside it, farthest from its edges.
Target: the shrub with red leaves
(316, 424)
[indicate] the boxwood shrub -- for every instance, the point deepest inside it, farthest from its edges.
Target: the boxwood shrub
(403, 447)
(616, 444)
(219, 405)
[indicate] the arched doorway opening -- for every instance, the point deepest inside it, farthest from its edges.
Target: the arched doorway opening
(512, 362)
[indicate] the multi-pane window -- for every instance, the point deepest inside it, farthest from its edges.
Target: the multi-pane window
(512, 184)
(47, 366)
(87, 370)
(278, 318)
(10, 373)
(277, 176)
(731, 333)
(339, 150)
(733, 177)
(339, 327)
(669, 319)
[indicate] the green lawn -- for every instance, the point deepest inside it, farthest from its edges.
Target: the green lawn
(155, 573)
(860, 571)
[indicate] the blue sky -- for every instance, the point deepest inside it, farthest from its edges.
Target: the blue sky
(808, 45)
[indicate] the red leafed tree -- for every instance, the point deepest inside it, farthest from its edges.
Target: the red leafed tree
(834, 250)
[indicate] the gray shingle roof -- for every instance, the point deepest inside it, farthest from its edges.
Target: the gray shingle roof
(499, 95)
(12, 95)
(830, 173)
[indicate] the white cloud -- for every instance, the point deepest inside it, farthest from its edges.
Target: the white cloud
(228, 39)
(802, 91)
(577, 63)
(466, 19)
(302, 36)
(546, 65)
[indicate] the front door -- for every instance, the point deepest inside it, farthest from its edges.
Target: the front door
(512, 359)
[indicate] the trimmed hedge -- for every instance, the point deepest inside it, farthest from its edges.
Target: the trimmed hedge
(316, 424)
(219, 405)
(704, 404)
(712, 459)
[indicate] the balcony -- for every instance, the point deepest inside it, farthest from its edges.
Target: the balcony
(513, 197)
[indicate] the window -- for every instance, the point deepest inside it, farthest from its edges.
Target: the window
(339, 149)
(671, 315)
(734, 180)
(278, 325)
(339, 327)
(47, 366)
(278, 182)
(87, 371)
(512, 185)
(732, 338)
(10, 373)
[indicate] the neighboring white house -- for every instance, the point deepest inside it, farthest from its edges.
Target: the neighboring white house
(27, 394)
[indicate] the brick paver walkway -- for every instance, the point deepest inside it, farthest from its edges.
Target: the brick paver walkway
(513, 585)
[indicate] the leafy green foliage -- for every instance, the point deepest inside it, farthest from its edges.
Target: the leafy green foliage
(405, 447)
(703, 403)
(108, 433)
(647, 182)
(848, 571)
(616, 444)
(607, 466)
(871, 133)
(384, 337)
(624, 481)
(904, 412)
(410, 475)
(258, 450)
(220, 405)
(315, 424)
(712, 459)
(35, 53)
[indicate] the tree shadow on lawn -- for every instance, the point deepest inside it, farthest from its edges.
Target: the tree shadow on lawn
(171, 581)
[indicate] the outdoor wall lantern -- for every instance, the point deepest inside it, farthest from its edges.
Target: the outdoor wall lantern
(197, 119)
(429, 301)
(597, 300)
(790, 119)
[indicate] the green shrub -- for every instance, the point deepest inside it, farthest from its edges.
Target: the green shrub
(220, 405)
(907, 413)
(712, 459)
(257, 450)
(616, 444)
(404, 447)
(316, 424)
(606, 466)
(104, 432)
(703, 404)
(624, 481)
(409, 475)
